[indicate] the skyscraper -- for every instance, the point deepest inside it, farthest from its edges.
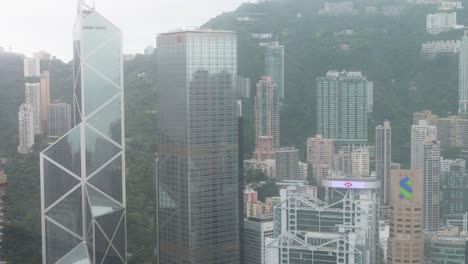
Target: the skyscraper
(342, 107)
(83, 173)
(287, 164)
(267, 111)
(308, 230)
(198, 214)
(431, 173)
(463, 76)
(25, 128)
(383, 158)
(418, 135)
(33, 98)
(243, 87)
(59, 117)
(274, 65)
(256, 231)
(406, 241)
(45, 98)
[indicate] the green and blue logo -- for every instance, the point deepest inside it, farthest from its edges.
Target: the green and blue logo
(405, 188)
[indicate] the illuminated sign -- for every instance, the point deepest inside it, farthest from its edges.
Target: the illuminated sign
(405, 188)
(348, 184)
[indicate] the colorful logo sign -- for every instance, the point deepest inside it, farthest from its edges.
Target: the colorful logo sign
(405, 188)
(348, 184)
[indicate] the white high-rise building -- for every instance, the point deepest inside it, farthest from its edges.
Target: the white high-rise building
(431, 172)
(33, 98)
(418, 135)
(440, 22)
(32, 67)
(25, 129)
(463, 76)
(360, 163)
(256, 231)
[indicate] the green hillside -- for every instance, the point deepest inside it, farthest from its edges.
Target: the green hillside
(22, 234)
(385, 49)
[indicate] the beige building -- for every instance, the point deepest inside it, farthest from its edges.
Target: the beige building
(45, 98)
(264, 148)
(320, 150)
(425, 115)
(360, 163)
(406, 241)
(320, 153)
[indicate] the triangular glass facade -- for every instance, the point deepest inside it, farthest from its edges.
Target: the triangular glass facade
(82, 174)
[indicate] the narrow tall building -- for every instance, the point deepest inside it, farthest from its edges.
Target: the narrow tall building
(267, 111)
(406, 241)
(431, 173)
(463, 76)
(59, 117)
(198, 215)
(45, 98)
(243, 87)
(418, 135)
(83, 173)
(342, 107)
(274, 65)
(383, 158)
(25, 129)
(33, 98)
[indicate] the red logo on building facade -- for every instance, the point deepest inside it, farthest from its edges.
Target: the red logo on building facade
(348, 184)
(179, 39)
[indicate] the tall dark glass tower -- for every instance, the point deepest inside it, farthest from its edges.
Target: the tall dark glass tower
(198, 214)
(83, 173)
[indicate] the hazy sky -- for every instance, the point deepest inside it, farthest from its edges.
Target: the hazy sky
(32, 25)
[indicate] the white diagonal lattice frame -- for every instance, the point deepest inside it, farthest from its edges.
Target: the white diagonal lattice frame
(86, 236)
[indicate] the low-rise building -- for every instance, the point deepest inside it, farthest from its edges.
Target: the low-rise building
(440, 47)
(449, 246)
(441, 22)
(338, 9)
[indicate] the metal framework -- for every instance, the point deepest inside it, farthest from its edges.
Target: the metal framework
(83, 196)
(291, 241)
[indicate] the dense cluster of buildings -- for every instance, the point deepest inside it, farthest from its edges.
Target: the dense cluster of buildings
(37, 115)
(362, 208)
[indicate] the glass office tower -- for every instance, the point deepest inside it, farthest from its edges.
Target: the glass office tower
(83, 173)
(198, 214)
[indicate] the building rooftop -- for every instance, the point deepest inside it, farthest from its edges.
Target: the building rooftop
(261, 218)
(195, 31)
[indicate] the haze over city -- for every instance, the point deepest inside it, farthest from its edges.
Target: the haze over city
(278, 132)
(29, 26)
